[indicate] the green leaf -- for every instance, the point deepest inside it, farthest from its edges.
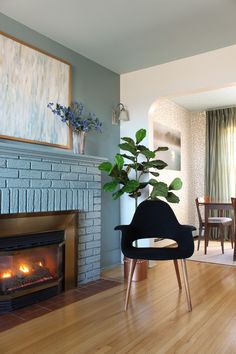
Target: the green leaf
(110, 186)
(160, 189)
(144, 171)
(118, 194)
(141, 147)
(159, 164)
(123, 178)
(146, 152)
(131, 186)
(142, 185)
(172, 198)
(119, 161)
(128, 147)
(176, 184)
(105, 166)
(115, 172)
(135, 166)
(156, 174)
(129, 141)
(128, 169)
(128, 157)
(135, 194)
(140, 135)
(152, 181)
(161, 148)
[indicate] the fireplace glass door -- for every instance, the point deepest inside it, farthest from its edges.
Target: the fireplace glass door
(27, 268)
(32, 265)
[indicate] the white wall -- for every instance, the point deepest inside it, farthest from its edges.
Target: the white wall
(140, 89)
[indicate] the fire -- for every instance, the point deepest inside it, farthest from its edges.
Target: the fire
(24, 268)
(6, 274)
(40, 263)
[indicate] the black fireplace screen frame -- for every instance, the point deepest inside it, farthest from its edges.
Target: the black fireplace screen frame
(18, 242)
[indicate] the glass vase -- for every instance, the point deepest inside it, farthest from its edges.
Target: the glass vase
(79, 142)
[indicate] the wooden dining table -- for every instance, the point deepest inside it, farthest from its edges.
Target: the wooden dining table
(215, 205)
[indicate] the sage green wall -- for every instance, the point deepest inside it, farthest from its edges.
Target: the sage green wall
(99, 89)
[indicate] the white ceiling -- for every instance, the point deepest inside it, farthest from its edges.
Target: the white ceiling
(127, 35)
(214, 99)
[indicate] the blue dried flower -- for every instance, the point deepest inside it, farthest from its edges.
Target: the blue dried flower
(76, 117)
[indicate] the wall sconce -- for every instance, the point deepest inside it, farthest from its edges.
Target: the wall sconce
(119, 113)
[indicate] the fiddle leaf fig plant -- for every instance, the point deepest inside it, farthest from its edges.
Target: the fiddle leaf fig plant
(130, 171)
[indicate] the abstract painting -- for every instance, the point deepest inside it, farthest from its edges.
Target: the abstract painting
(171, 138)
(29, 80)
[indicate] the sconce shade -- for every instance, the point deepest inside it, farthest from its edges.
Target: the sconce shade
(119, 113)
(124, 114)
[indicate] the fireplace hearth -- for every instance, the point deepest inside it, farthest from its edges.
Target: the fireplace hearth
(37, 257)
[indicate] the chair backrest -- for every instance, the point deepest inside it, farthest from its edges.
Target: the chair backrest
(153, 218)
(233, 200)
(198, 200)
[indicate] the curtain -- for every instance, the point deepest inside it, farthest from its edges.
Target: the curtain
(221, 154)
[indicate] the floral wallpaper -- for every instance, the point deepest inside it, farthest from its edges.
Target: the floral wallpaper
(192, 128)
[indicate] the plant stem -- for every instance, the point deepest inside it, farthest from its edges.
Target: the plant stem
(136, 202)
(136, 196)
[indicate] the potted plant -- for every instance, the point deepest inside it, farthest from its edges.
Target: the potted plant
(131, 170)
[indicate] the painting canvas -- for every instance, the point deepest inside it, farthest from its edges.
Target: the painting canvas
(29, 80)
(165, 136)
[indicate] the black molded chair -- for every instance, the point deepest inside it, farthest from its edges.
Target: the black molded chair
(155, 218)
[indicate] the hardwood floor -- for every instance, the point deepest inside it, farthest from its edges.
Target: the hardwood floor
(157, 320)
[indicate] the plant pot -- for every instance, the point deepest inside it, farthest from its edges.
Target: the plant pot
(140, 272)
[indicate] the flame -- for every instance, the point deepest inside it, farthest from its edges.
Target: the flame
(24, 268)
(40, 263)
(6, 274)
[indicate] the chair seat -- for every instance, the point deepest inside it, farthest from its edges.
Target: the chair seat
(219, 220)
(155, 253)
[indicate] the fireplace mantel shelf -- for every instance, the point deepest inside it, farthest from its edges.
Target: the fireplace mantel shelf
(42, 151)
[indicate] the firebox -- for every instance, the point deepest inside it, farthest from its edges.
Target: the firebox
(38, 256)
(31, 268)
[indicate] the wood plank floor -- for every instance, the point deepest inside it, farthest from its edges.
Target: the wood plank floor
(157, 320)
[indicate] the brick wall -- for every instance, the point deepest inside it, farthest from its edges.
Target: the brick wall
(34, 181)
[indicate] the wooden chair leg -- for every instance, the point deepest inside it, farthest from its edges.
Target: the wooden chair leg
(131, 272)
(231, 230)
(234, 256)
(206, 237)
(199, 238)
(177, 273)
(222, 236)
(186, 284)
(234, 238)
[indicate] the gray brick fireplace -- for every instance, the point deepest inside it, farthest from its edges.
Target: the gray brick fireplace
(38, 180)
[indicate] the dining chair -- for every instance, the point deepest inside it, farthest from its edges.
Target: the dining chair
(219, 222)
(156, 218)
(233, 200)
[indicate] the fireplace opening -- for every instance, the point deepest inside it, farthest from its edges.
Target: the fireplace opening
(31, 268)
(38, 257)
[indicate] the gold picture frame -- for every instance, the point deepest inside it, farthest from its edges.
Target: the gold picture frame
(30, 78)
